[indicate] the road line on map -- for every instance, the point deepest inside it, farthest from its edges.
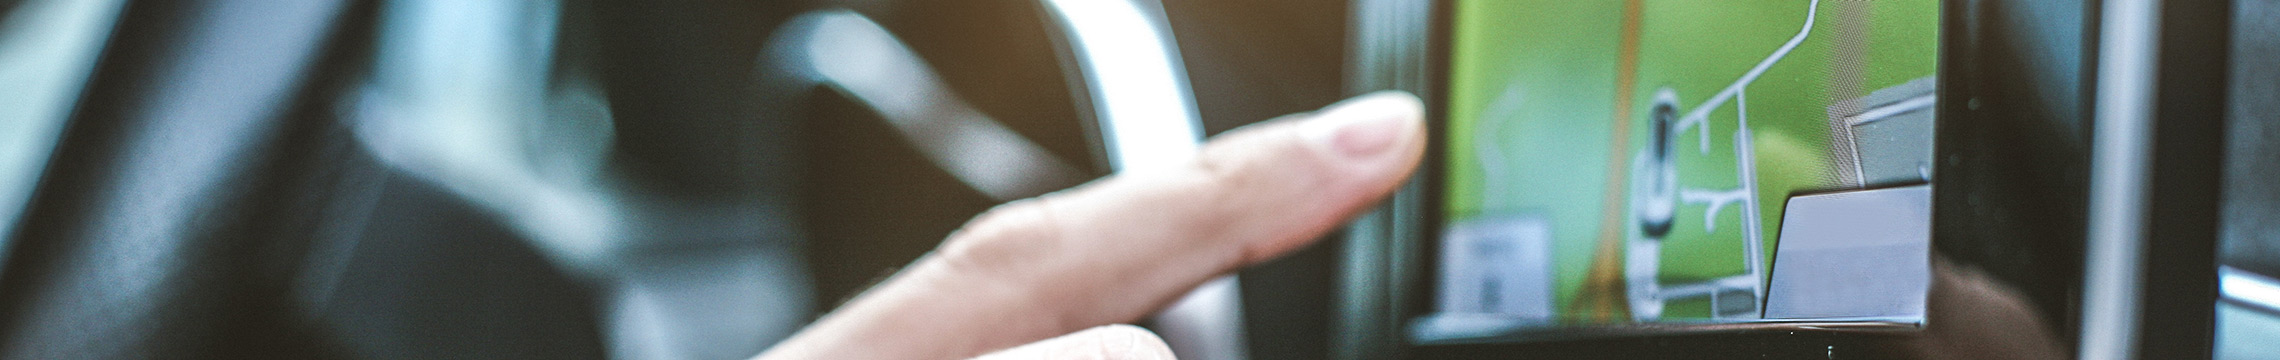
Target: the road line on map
(1701, 113)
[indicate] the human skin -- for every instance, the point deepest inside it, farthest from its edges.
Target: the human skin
(1043, 271)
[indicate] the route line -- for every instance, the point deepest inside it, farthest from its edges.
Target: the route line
(1603, 286)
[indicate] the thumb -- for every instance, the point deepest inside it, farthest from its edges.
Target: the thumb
(1113, 342)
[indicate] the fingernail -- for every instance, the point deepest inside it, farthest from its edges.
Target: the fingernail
(1366, 125)
(1132, 342)
(1117, 341)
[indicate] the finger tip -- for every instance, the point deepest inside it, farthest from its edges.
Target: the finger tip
(1369, 124)
(1400, 106)
(1386, 103)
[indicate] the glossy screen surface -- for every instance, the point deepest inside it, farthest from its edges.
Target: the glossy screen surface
(1622, 162)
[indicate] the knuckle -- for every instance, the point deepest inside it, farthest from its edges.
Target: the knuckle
(1000, 237)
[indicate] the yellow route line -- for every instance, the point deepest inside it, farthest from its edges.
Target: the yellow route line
(1604, 297)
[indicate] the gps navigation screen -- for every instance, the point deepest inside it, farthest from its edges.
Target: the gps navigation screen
(1629, 162)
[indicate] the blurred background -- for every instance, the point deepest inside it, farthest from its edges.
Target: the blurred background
(574, 178)
(582, 179)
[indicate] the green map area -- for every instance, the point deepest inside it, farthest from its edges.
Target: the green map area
(1552, 108)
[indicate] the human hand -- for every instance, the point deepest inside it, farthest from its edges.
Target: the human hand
(1122, 247)
(1975, 316)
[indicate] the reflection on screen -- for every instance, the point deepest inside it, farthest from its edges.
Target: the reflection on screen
(1613, 162)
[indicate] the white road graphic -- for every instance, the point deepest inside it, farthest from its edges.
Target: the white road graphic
(1746, 173)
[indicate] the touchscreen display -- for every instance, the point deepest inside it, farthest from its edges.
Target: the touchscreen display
(1628, 162)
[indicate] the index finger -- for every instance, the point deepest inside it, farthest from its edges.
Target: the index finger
(1250, 195)
(1117, 249)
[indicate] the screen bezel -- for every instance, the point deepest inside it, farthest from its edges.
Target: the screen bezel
(1417, 219)
(2009, 205)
